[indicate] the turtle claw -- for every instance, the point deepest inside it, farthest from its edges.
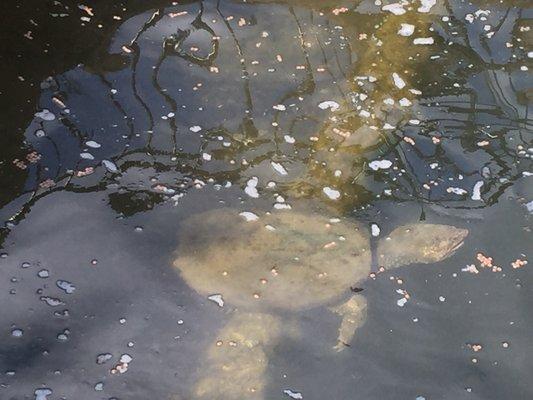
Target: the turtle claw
(353, 313)
(340, 346)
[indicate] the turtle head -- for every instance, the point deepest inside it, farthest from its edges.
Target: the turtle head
(419, 243)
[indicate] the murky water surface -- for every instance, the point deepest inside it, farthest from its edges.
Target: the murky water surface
(267, 199)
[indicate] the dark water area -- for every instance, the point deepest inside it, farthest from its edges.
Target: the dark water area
(266, 199)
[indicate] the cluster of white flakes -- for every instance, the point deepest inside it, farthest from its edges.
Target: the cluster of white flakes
(395, 8)
(169, 115)
(280, 203)
(110, 166)
(92, 144)
(456, 190)
(476, 191)
(293, 395)
(280, 169)
(87, 156)
(251, 187)
(471, 268)
(398, 81)
(405, 102)
(45, 115)
(289, 139)
(217, 299)
(332, 194)
(123, 364)
(401, 302)
(426, 5)
(66, 286)
(406, 30)
(42, 394)
(424, 40)
(380, 164)
(479, 14)
(329, 104)
(375, 230)
(249, 216)
(164, 189)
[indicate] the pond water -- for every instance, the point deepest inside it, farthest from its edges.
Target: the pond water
(267, 199)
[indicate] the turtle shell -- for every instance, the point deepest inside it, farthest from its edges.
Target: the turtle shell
(287, 260)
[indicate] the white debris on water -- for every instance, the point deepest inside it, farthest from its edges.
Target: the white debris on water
(424, 40)
(395, 8)
(51, 301)
(401, 302)
(17, 332)
(41, 394)
(43, 273)
(406, 30)
(471, 269)
(279, 107)
(374, 228)
(426, 5)
(333, 194)
(476, 191)
(332, 105)
(206, 156)
(195, 128)
(456, 190)
(289, 139)
(45, 115)
(103, 358)
(164, 189)
(398, 81)
(63, 336)
(126, 358)
(251, 187)
(380, 164)
(293, 395)
(92, 144)
(110, 166)
(87, 156)
(280, 169)
(249, 216)
(66, 286)
(405, 102)
(216, 298)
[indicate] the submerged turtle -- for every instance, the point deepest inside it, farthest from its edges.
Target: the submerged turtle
(282, 262)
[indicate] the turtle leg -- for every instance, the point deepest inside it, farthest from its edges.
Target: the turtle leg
(237, 361)
(353, 313)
